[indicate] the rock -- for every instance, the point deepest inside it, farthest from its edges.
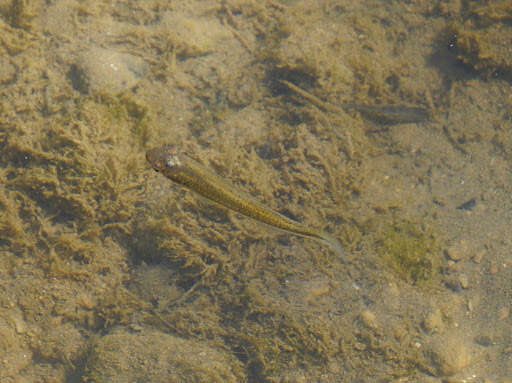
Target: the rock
(193, 37)
(457, 251)
(484, 340)
(449, 354)
(369, 320)
(464, 281)
(153, 356)
(101, 70)
(60, 343)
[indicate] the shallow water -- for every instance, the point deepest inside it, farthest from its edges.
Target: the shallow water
(110, 273)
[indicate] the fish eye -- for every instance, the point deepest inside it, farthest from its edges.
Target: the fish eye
(159, 165)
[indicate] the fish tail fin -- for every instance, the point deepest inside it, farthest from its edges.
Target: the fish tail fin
(335, 246)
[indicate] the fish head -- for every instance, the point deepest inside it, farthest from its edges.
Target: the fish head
(162, 158)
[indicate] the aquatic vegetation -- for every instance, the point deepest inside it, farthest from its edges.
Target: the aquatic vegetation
(71, 186)
(410, 250)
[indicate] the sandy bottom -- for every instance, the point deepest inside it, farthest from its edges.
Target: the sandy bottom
(387, 125)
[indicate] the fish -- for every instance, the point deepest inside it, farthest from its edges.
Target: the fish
(187, 171)
(391, 114)
(381, 114)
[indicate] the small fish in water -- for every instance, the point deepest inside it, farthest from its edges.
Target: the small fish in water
(183, 169)
(391, 114)
(381, 114)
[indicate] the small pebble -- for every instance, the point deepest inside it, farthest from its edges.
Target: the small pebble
(452, 283)
(315, 289)
(434, 322)
(369, 320)
(464, 281)
(16, 318)
(457, 252)
(483, 340)
(503, 313)
(479, 256)
(400, 333)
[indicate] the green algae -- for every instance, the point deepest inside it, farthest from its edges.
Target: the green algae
(410, 250)
(68, 191)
